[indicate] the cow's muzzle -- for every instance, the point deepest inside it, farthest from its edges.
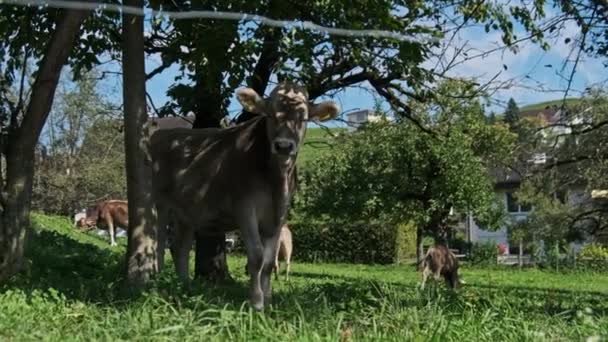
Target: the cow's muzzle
(283, 146)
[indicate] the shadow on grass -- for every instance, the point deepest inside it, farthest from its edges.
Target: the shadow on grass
(77, 270)
(89, 273)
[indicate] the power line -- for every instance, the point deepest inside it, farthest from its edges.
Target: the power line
(221, 15)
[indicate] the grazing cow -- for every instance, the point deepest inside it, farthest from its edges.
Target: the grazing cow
(283, 252)
(440, 261)
(108, 215)
(114, 214)
(79, 218)
(241, 176)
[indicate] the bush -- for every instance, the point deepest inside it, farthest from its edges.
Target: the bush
(484, 253)
(356, 242)
(593, 251)
(405, 242)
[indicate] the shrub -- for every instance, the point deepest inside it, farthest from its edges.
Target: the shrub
(356, 242)
(405, 242)
(484, 253)
(594, 251)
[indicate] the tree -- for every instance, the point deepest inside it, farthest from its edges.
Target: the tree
(512, 114)
(81, 153)
(143, 258)
(577, 165)
(22, 139)
(399, 173)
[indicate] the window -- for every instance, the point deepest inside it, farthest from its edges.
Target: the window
(512, 205)
(515, 207)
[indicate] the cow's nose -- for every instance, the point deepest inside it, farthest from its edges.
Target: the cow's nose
(282, 146)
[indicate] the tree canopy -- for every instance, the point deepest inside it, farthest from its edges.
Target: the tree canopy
(398, 172)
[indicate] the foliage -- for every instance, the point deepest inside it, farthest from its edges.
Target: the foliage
(81, 157)
(76, 295)
(352, 241)
(27, 32)
(511, 113)
(396, 172)
(577, 166)
(210, 72)
(594, 251)
(484, 253)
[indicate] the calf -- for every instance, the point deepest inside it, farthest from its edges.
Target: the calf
(211, 180)
(440, 261)
(283, 252)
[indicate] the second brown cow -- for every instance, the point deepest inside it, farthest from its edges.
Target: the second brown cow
(107, 215)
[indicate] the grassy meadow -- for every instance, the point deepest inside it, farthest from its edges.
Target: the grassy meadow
(72, 291)
(317, 142)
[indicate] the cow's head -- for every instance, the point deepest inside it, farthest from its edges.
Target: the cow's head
(287, 110)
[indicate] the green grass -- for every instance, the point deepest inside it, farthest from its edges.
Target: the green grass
(317, 142)
(73, 292)
(543, 105)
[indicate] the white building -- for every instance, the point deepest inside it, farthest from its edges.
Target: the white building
(507, 182)
(357, 118)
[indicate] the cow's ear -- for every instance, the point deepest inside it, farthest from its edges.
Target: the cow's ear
(251, 101)
(323, 111)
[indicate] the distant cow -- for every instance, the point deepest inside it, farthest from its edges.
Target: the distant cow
(440, 262)
(79, 218)
(283, 252)
(241, 176)
(108, 215)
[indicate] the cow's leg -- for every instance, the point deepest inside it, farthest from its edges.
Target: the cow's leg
(277, 266)
(426, 272)
(184, 237)
(111, 231)
(255, 257)
(270, 252)
(287, 264)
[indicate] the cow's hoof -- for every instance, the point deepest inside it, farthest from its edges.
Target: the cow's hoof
(258, 306)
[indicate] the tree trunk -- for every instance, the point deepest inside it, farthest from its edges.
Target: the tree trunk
(419, 245)
(16, 197)
(142, 260)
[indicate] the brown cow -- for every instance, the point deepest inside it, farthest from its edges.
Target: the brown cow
(107, 215)
(241, 176)
(113, 214)
(283, 252)
(440, 261)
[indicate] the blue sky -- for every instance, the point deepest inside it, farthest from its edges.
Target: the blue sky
(528, 79)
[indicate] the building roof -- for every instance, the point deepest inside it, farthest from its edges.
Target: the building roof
(168, 122)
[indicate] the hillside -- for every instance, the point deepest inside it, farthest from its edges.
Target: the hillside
(543, 105)
(318, 141)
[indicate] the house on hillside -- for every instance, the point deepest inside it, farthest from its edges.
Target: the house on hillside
(358, 118)
(556, 125)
